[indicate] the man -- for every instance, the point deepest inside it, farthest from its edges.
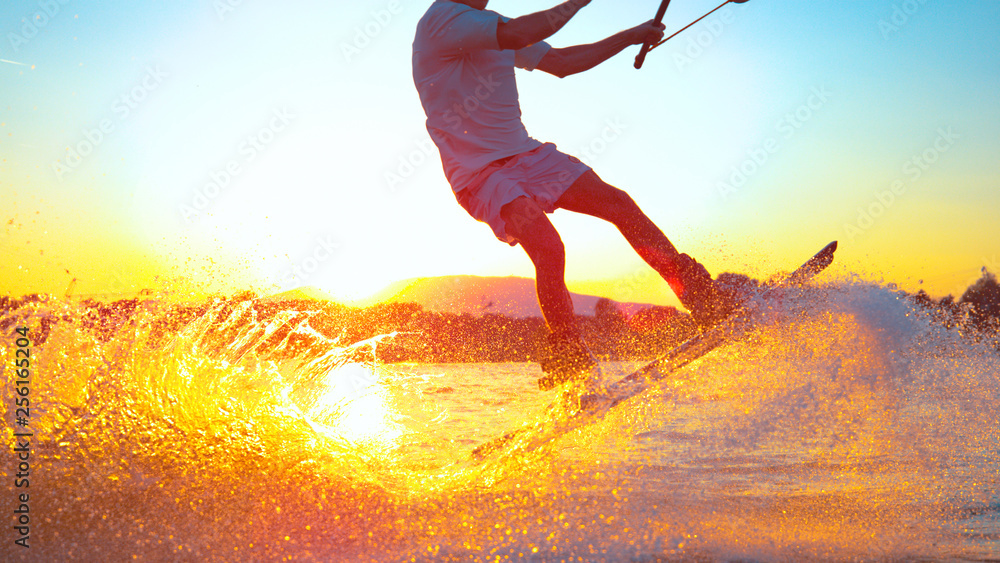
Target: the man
(463, 66)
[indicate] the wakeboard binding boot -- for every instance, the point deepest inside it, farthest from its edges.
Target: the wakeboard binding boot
(566, 359)
(708, 302)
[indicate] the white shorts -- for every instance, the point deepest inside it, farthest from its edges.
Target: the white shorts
(542, 174)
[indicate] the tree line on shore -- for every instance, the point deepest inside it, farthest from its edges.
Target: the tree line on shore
(977, 310)
(438, 337)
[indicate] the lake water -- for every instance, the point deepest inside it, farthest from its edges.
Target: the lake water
(848, 427)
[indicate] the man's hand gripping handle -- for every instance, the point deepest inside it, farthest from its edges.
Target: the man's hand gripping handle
(645, 46)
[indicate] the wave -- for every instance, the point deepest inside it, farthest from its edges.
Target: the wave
(852, 424)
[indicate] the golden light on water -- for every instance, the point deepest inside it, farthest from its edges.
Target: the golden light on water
(354, 407)
(846, 426)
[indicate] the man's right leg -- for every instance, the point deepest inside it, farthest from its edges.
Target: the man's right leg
(568, 357)
(526, 222)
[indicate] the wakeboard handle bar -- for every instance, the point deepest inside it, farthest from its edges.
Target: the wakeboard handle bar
(645, 46)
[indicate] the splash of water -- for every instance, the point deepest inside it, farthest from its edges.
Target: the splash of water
(851, 425)
(179, 425)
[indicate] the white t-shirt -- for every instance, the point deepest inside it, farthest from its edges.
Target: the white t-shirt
(468, 90)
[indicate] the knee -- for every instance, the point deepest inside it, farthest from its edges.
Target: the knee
(620, 206)
(548, 250)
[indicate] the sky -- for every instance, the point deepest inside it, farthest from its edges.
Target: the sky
(219, 145)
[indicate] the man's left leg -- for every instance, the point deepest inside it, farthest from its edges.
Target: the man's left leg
(689, 280)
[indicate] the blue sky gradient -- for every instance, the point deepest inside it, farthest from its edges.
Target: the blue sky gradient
(343, 184)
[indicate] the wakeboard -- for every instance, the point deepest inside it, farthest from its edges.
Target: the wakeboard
(591, 408)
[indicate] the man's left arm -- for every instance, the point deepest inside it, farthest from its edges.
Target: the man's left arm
(572, 60)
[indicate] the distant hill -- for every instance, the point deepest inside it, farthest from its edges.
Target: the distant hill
(509, 296)
(298, 293)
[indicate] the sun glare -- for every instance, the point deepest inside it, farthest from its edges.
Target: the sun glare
(355, 407)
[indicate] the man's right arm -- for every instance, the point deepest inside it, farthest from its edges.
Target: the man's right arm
(532, 28)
